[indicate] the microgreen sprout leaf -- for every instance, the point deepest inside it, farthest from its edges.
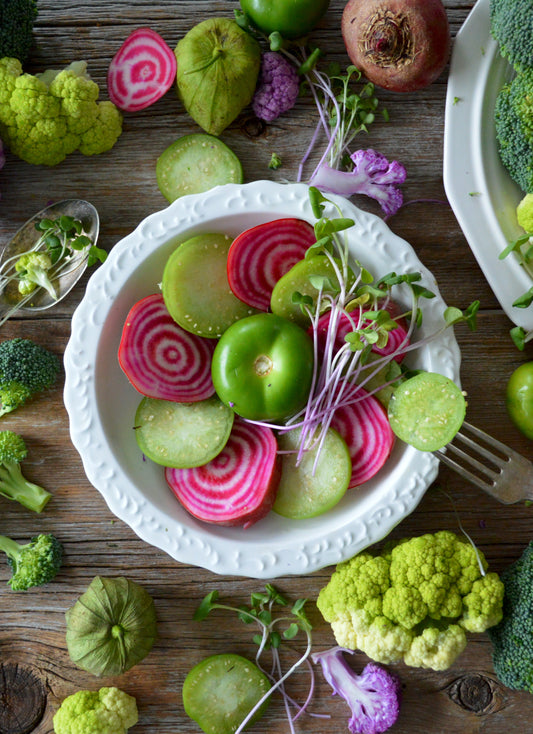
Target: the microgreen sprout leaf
(206, 605)
(525, 300)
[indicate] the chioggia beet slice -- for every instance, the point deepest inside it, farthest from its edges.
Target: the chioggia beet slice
(162, 360)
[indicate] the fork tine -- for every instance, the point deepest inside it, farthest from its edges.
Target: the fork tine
(490, 440)
(472, 461)
(477, 449)
(468, 475)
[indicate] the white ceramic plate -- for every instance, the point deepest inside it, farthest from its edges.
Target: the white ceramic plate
(101, 403)
(478, 187)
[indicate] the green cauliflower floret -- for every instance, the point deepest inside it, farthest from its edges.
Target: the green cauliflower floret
(17, 18)
(33, 564)
(513, 117)
(107, 711)
(512, 638)
(414, 601)
(33, 270)
(13, 484)
(45, 117)
(26, 368)
(511, 23)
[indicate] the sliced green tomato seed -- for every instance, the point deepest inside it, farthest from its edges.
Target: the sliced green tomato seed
(305, 491)
(196, 289)
(220, 691)
(196, 163)
(427, 410)
(182, 435)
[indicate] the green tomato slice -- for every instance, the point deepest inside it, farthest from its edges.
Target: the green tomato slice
(427, 410)
(314, 485)
(196, 163)
(182, 435)
(262, 367)
(220, 691)
(196, 289)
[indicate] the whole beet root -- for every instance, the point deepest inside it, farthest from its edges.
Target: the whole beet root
(401, 45)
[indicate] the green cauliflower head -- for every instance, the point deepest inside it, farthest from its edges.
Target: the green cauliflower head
(414, 601)
(45, 117)
(107, 711)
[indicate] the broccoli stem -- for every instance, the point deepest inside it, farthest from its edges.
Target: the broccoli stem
(11, 548)
(15, 486)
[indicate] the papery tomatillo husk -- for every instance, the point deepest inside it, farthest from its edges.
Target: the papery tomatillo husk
(111, 627)
(218, 66)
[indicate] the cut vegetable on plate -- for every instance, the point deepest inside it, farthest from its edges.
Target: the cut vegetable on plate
(259, 256)
(162, 360)
(196, 163)
(141, 72)
(238, 486)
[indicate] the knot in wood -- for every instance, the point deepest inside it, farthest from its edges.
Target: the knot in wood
(473, 692)
(253, 127)
(22, 699)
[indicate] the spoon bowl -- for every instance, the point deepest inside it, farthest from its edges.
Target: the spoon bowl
(26, 237)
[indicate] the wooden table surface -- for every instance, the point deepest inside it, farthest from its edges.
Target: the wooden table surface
(466, 698)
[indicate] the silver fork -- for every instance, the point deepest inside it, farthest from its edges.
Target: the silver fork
(502, 472)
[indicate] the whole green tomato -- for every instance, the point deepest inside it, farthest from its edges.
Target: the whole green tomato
(263, 366)
(291, 18)
(519, 398)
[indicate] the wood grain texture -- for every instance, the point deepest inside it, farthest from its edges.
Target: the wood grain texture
(121, 184)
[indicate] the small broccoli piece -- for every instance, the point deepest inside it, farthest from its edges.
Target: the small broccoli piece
(513, 117)
(512, 638)
(13, 484)
(414, 602)
(33, 564)
(26, 368)
(33, 268)
(372, 175)
(107, 711)
(45, 117)
(17, 18)
(511, 25)
(277, 88)
(374, 696)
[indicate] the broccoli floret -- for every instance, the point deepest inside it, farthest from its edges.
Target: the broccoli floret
(33, 564)
(16, 27)
(26, 368)
(513, 118)
(511, 25)
(13, 484)
(512, 638)
(107, 711)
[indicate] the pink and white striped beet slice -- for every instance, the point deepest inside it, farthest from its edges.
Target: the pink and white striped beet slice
(141, 72)
(239, 485)
(162, 360)
(365, 427)
(259, 256)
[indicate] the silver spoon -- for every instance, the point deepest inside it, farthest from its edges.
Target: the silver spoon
(70, 272)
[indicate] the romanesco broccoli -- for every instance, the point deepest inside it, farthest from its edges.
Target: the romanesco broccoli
(26, 368)
(45, 117)
(513, 117)
(415, 601)
(512, 638)
(107, 711)
(511, 24)
(16, 27)
(13, 484)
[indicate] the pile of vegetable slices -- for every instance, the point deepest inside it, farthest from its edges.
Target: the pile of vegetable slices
(266, 367)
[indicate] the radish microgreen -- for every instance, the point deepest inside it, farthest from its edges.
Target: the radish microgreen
(278, 619)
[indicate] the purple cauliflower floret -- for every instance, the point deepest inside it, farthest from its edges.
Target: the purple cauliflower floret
(374, 696)
(372, 175)
(277, 87)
